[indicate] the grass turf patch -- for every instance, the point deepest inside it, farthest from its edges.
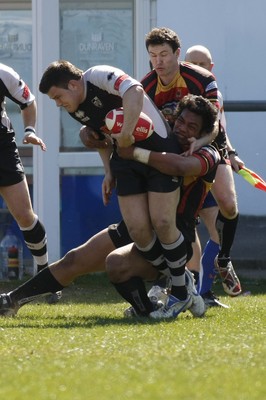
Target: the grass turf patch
(83, 348)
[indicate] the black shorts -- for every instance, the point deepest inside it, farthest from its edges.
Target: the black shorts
(11, 168)
(132, 178)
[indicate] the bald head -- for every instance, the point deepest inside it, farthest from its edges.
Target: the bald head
(199, 55)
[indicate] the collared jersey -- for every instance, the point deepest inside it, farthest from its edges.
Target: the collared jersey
(190, 79)
(13, 87)
(104, 87)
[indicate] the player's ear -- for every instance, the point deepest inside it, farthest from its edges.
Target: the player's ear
(177, 52)
(72, 84)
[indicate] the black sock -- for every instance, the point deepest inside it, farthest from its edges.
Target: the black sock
(134, 292)
(42, 283)
(154, 254)
(196, 276)
(180, 292)
(226, 229)
(162, 281)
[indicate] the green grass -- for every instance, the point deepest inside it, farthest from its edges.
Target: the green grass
(84, 349)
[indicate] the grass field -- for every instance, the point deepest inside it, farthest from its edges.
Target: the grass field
(84, 349)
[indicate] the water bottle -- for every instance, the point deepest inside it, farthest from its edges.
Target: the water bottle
(11, 252)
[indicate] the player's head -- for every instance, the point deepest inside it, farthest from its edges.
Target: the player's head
(199, 55)
(62, 82)
(59, 73)
(159, 36)
(163, 46)
(196, 116)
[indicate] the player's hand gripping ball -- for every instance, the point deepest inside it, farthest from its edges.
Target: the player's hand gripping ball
(114, 121)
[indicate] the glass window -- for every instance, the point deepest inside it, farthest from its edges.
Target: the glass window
(94, 33)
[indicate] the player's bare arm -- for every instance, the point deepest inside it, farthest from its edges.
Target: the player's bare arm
(132, 106)
(167, 163)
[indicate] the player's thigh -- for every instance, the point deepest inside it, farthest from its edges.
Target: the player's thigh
(90, 256)
(135, 212)
(162, 208)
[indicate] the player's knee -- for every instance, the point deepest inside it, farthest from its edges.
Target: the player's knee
(228, 206)
(162, 225)
(114, 267)
(68, 261)
(139, 234)
(229, 209)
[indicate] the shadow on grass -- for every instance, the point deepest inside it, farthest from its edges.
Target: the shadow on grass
(88, 322)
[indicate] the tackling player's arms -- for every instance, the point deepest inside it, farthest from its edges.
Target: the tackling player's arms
(174, 164)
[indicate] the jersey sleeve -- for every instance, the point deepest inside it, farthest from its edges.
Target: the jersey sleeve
(111, 79)
(16, 89)
(209, 158)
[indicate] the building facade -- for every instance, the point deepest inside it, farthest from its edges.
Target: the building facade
(67, 179)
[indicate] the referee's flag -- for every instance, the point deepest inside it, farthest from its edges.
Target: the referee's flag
(252, 178)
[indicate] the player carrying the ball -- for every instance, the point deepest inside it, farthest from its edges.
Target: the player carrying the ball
(148, 198)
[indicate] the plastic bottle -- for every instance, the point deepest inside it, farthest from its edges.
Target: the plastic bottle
(11, 257)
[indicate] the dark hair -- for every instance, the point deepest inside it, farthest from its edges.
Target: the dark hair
(200, 106)
(58, 74)
(163, 35)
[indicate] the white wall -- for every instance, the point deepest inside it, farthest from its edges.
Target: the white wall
(235, 32)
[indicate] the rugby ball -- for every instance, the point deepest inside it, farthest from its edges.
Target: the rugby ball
(114, 121)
